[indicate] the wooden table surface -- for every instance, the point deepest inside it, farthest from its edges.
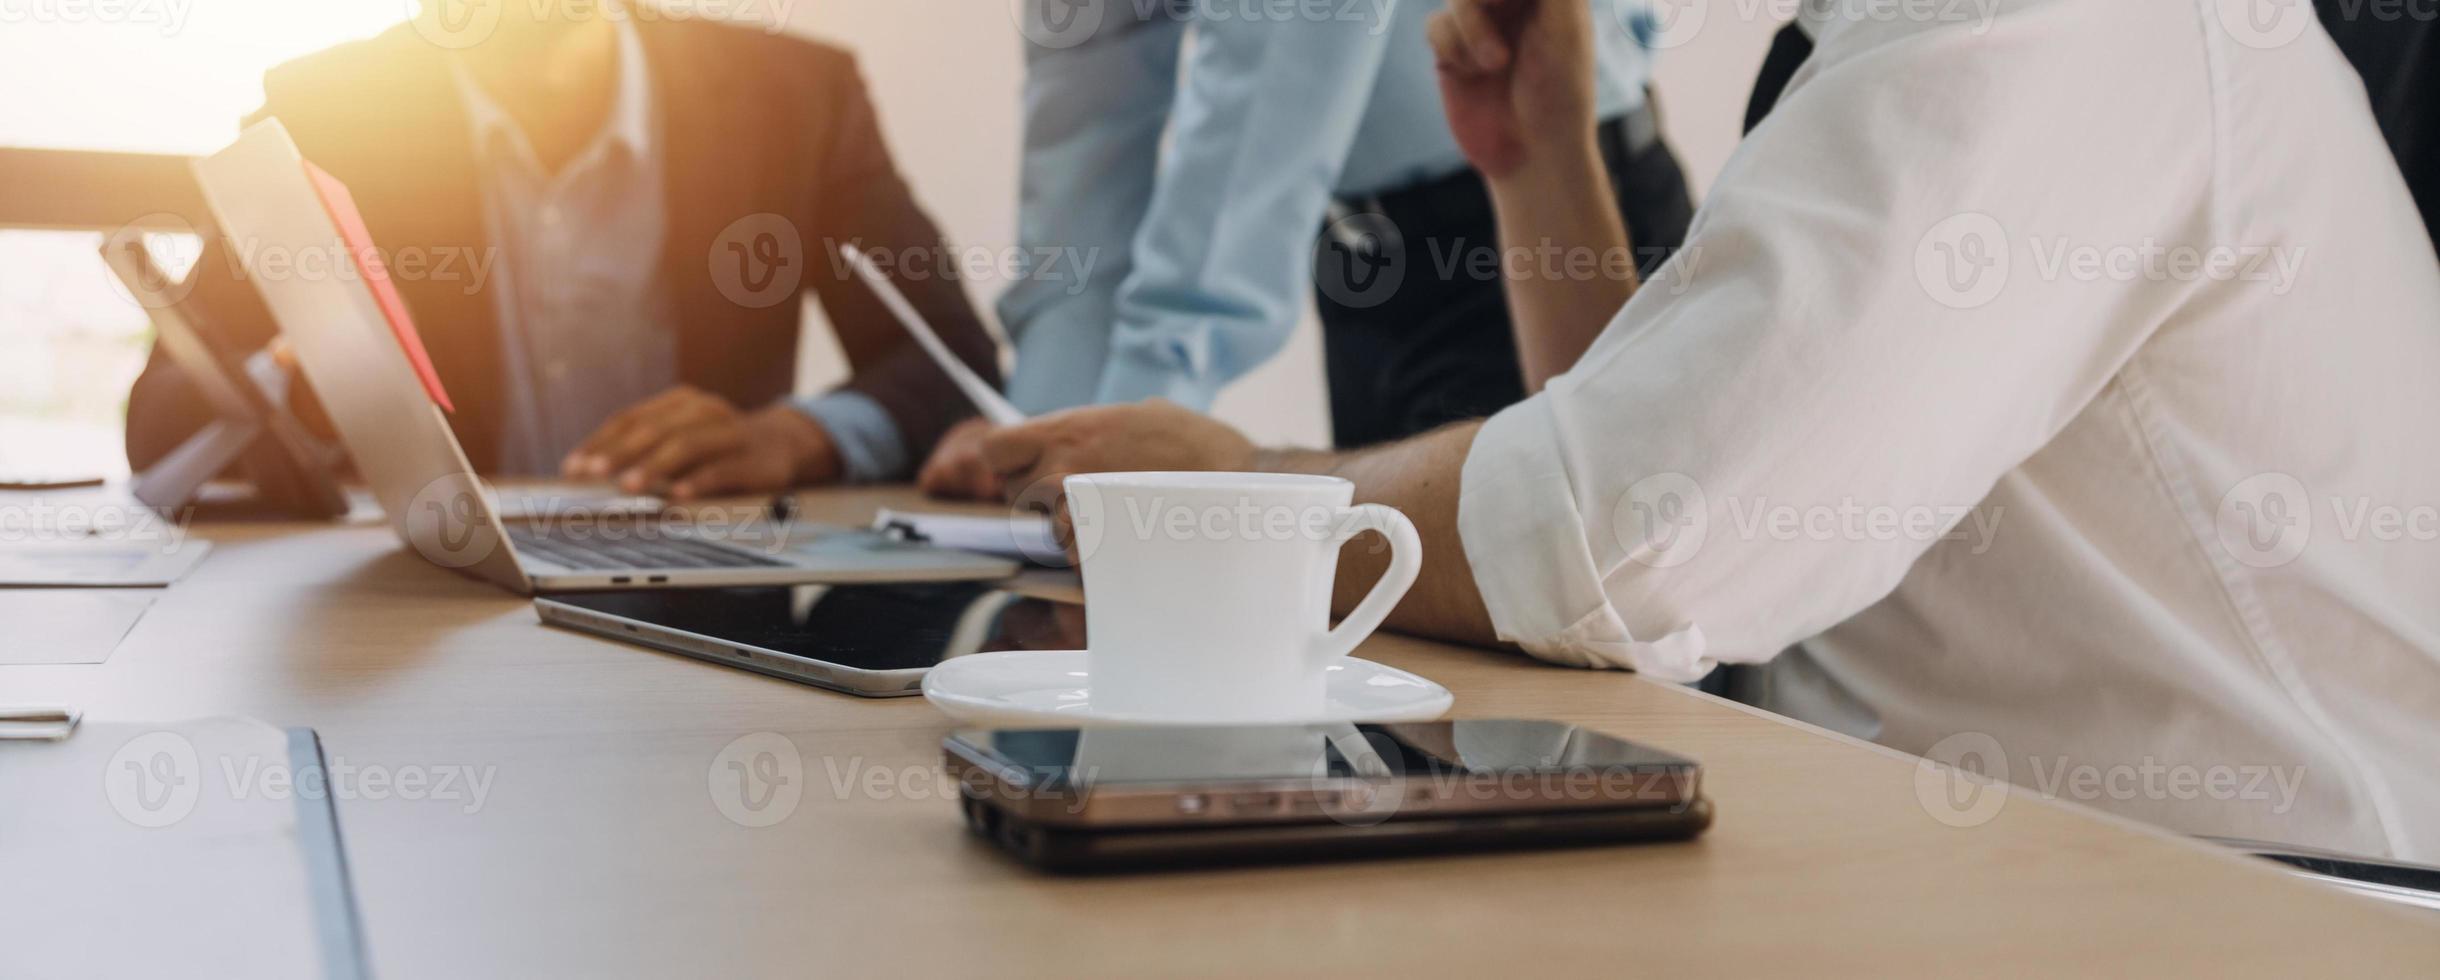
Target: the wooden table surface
(601, 852)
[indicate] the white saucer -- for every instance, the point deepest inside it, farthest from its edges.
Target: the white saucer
(1021, 688)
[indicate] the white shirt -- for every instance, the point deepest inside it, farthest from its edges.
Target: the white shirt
(1968, 380)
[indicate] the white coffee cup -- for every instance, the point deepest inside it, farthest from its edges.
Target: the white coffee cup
(1208, 594)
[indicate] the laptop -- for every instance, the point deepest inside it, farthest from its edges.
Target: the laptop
(355, 345)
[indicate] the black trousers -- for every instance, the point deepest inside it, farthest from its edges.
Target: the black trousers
(1415, 329)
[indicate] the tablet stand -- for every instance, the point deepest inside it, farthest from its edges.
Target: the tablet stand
(292, 474)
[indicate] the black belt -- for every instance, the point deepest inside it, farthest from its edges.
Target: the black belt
(1622, 138)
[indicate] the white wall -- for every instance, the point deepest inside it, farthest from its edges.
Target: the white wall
(946, 76)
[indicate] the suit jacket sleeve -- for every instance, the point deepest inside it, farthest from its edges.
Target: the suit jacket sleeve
(862, 200)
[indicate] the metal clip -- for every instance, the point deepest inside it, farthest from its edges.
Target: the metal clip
(38, 724)
(903, 531)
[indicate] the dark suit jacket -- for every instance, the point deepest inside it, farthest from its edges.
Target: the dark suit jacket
(752, 122)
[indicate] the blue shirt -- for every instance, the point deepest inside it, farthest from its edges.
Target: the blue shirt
(587, 328)
(1202, 250)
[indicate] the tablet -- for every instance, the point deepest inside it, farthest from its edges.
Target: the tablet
(870, 640)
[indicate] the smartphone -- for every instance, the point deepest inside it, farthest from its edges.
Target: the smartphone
(1133, 798)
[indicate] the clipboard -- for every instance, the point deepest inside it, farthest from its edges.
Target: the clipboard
(233, 884)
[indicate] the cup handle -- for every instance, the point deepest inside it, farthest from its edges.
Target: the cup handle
(1405, 561)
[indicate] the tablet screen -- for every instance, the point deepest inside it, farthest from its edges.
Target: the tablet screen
(863, 627)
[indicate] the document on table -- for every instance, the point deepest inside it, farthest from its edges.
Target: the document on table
(68, 626)
(1025, 538)
(98, 563)
(202, 848)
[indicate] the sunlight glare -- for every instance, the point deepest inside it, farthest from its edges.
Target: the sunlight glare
(169, 76)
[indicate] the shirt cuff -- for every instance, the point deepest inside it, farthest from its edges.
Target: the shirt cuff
(870, 448)
(1534, 561)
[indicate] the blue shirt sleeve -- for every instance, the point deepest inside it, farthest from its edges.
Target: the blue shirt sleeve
(1260, 133)
(1217, 257)
(870, 448)
(1095, 108)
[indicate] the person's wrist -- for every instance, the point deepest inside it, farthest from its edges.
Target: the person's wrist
(1551, 164)
(813, 456)
(1311, 462)
(1240, 455)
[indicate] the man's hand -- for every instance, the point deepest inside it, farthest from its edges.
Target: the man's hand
(1516, 78)
(695, 444)
(1149, 435)
(956, 469)
(1032, 460)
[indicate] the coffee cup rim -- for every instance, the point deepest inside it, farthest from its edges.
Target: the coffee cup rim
(1206, 480)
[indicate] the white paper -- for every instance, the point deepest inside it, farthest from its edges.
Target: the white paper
(1008, 536)
(67, 626)
(99, 563)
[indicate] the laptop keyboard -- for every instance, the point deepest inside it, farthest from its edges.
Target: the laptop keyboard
(649, 550)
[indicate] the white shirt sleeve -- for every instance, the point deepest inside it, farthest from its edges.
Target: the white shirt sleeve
(1879, 312)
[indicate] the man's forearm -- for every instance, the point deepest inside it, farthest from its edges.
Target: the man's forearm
(1571, 265)
(1419, 477)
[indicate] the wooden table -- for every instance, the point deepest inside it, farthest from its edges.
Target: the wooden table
(600, 851)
